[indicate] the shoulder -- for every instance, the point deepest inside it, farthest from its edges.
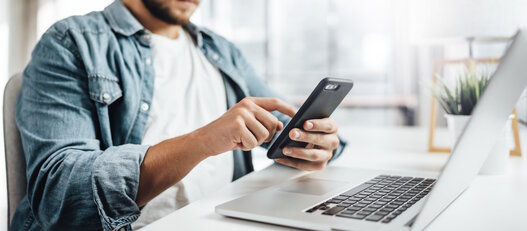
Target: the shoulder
(66, 40)
(92, 23)
(72, 34)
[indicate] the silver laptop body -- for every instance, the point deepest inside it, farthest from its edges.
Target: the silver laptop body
(296, 202)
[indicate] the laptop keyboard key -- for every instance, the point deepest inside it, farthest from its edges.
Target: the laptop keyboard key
(350, 211)
(381, 213)
(365, 213)
(374, 217)
(357, 216)
(355, 208)
(362, 205)
(380, 203)
(333, 211)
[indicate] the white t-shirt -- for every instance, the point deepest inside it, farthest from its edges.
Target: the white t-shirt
(188, 93)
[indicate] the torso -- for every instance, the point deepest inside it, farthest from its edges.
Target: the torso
(188, 93)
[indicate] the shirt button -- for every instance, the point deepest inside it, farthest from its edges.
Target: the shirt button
(215, 56)
(144, 107)
(106, 97)
(148, 61)
(146, 38)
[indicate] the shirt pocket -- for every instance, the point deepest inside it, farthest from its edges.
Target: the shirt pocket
(104, 89)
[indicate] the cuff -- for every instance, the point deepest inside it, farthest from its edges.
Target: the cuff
(115, 180)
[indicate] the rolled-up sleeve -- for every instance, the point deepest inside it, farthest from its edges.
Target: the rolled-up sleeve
(115, 179)
(72, 183)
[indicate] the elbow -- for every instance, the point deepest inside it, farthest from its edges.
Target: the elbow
(59, 191)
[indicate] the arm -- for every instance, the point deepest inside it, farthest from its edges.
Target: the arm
(72, 183)
(246, 125)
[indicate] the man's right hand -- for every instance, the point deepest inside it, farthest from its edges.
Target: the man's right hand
(246, 125)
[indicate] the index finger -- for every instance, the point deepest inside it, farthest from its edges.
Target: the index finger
(325, 125)
(275, 104)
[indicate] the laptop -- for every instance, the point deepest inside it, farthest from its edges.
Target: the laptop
(353, 199)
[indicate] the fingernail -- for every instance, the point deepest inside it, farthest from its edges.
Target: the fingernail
(286, 151)
(296, 134)
(309, 125)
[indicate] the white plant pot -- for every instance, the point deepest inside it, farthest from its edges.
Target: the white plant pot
(496, 162)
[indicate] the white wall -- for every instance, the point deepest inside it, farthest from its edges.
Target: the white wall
(461, 18)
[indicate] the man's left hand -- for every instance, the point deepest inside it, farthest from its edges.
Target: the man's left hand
(321, 136)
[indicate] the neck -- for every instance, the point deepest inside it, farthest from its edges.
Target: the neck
(150, 22)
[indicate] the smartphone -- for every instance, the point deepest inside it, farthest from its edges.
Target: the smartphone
(326, 97)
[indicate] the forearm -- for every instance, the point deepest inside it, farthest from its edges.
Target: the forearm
(167, 163)
(246, 125)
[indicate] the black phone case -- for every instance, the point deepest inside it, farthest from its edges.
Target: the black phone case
(320, 104)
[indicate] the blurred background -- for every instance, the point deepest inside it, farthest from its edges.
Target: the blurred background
(388, 47)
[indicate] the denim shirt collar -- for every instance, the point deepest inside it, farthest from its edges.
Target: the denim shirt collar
(121, 19)
(123, 22)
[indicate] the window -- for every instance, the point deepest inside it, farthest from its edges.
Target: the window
(295, 43)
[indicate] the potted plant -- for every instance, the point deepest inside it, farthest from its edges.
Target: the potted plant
(458, 103)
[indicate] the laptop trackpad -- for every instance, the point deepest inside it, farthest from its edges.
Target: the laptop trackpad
(306, 185)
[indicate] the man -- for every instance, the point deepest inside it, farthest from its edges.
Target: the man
(128, 114)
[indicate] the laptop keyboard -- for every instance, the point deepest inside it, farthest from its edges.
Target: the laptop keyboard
(380, 199)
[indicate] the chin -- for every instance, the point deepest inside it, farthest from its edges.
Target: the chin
(182, 10)
(172, 11)
(182, 17)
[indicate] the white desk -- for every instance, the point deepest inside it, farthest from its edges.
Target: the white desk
(491, 203)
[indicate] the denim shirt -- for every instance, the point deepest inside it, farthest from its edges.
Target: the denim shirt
(81, 117)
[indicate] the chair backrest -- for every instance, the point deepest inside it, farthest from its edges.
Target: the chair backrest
(14, 155)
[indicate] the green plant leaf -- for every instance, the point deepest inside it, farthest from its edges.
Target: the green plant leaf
(465, 95)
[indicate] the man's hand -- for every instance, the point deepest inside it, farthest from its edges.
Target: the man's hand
(321, 136)
(246, 125)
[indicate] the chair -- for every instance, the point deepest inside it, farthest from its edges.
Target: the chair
(14, 155)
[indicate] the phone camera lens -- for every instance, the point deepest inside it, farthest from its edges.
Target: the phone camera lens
(331, 87)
